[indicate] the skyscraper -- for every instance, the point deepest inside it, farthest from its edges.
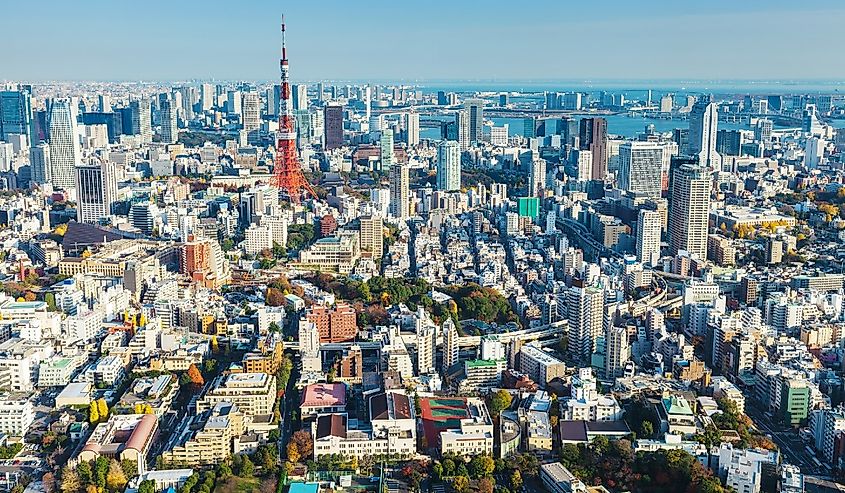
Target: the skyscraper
(96, 191)
(462, 123)
(449, 166)
(689, 209)
(39, 159)
(592, 136)
(648, 236)
(399, 192)
(536, 177)
(412, 129)
(169, 129)
(640, 168)
(300, 96)
(475, 119)
(64, 141)
(140, 111)
(16, 114)
(333, 124)
(386, 150)
(585, 313)
(251, 115)
(207, 97)
(703, 123)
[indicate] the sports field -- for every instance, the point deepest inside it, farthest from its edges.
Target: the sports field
(440, 414)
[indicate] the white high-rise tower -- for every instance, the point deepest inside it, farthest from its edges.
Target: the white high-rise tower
(703, 123)
(64, 141)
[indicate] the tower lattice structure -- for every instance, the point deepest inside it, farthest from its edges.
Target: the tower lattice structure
(287, 172)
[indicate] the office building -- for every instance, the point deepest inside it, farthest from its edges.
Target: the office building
(333, 254)
(449, 166)
(299, 92)
(96, 191)
(649, 225)
(16, 115)
(592, 137)
(207, 97)
(640, 168)
(400, 194)
(39, 159)
(703, 123)
(140, 120)
(169, 130)
(64, 141)
(729, 142)
(462, 127)
(333, 126)
(251, 108)
(689, 210)
(474, 109)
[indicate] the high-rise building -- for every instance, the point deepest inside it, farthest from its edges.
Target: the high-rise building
(648, 236)
(618, 351)
(333, 125)
(96, 191)
(234, 102)
(169, 129)
(39, 159)
(371, 236)
(703, 125)
(400, 194)
(64, 141)
(536, 177)
(763, 130)
(141, 125)
(451, 347)
(640, 168)
(251, 107)
(207, 97)
(462, 124)
(300, 96)
(689, 210)
(412, 129)
(386, 150)
(585, 311)
(729, 142)
(592, 136)
(449, 166)
(475, 119)
(16, 114)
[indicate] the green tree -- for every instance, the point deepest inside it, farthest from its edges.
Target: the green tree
(147, 486)
(481, 466)
(247, 468)
(646, 429)
(70, 481)
(460, 484)
(50, 299)
(500, 401)
(101, 469)
(516, 480)
(86, 475)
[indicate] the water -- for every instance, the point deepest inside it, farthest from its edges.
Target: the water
(621, 124)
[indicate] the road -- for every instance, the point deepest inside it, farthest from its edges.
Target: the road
(793, 448)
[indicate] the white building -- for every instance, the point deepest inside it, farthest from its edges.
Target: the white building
(16, 414)
(586, 404)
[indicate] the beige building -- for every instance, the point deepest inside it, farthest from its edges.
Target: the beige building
(253, 393)
(333, 254)
(122, 437)
(207, 439)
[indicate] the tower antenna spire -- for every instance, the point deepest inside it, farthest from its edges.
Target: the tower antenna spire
(287, 173)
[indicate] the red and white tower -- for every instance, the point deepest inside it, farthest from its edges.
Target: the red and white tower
(287, 173)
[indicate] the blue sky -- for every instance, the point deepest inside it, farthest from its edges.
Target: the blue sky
(433, 40)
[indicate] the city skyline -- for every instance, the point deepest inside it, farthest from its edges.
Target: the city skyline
(447, 43)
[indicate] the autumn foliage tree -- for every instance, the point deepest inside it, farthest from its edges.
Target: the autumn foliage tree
(195, 376)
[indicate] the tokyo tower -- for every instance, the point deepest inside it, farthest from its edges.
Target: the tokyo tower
(287, 173)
